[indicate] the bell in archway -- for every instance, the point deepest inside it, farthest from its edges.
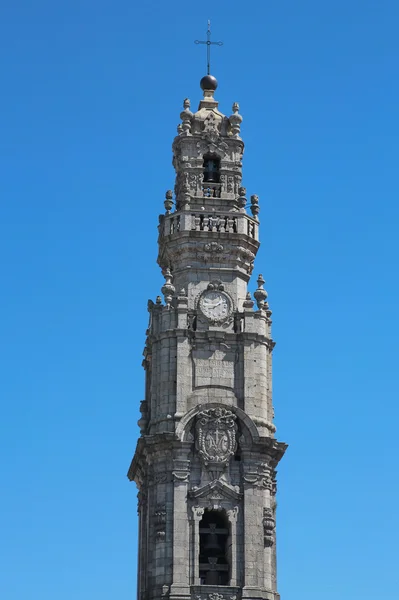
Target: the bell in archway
(211, 545)
(211, 170)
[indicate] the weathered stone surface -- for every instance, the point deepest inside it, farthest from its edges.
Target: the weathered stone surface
(207, 448)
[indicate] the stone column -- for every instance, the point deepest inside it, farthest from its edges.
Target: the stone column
(253, 526)
(140, 570)
(184, 384)
(144, 527)
(181, 473)
(198, 512)
(269, 544)
(232, 515)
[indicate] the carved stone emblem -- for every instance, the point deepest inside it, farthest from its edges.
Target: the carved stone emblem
(216, 435)
(211, 130)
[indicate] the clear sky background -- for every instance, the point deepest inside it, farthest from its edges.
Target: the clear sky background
(90, 101)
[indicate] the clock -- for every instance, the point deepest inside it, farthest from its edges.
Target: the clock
(215, 305)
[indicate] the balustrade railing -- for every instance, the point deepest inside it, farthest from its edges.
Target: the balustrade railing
(214, 223)
(211, 190)
(228, 223)
(173, 225)
(251, 229)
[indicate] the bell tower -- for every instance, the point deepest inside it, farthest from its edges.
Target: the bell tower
(205, 462)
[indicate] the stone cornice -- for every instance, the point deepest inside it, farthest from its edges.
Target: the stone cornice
(214, 336)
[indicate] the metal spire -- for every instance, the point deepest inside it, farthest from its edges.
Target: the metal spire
(208, 47)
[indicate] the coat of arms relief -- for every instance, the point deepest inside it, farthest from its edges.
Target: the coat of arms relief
(216, 430)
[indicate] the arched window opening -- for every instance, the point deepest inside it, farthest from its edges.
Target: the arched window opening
(214, 568)
(211, 169)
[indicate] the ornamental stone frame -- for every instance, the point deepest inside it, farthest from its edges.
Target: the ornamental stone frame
(197, 514)
(216, 435)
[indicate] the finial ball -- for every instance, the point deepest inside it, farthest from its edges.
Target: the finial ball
(209, 82)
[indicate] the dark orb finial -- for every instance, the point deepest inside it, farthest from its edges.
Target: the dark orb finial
(209, 82)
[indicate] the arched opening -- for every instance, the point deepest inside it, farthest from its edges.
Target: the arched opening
(214, 568)
(211, 169)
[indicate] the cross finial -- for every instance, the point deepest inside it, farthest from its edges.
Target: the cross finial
(208, 46)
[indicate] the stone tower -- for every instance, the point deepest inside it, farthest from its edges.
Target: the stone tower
(206, 459)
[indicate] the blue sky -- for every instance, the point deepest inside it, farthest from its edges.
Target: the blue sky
(91, 96)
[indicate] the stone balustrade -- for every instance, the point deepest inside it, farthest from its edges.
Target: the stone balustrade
(221, 223)
(211, 190)
(218, 223)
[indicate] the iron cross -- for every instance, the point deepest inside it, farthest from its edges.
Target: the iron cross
(208, 47)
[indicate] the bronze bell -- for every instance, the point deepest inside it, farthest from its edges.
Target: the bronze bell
(212, 578)
(211, 545)
(210, 177)
(211, 171)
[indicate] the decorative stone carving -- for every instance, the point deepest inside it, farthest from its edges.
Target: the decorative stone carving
(181, 470)
(198, 512)
(245, 253)
(223, 182)
(274, 483)
(186, 117)
(213, 247)
(269, 526)
(216, 596)
(211, 147)
(143, 421)
(181, 476)
(235, 120)
(237, 183)
(248, 303)
(193, 182)
(259, 476)
(216, 493)
(233, 514)
(260, 294)
(168, 203)
(168, 289)
(216, 435)
(255, 206)
(211, 130)
(160, 477)
(160, 521)
(242, 201)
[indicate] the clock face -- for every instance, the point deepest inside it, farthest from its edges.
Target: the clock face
(215, 305)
